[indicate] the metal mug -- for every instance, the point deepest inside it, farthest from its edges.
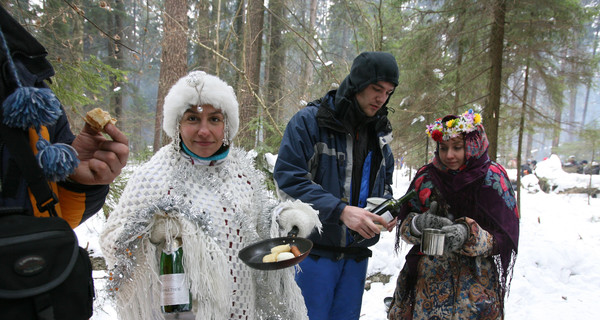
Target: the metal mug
(432, 242)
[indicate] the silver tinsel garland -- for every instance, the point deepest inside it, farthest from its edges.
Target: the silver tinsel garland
(139, 228)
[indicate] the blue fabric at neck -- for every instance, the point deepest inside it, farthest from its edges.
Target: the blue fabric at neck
(219, 156)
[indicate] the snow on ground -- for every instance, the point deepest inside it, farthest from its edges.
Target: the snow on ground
(557, 272)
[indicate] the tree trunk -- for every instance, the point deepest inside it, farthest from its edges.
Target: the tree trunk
(248, 85)
(379, 36)
(557, 128)
(306, 76)
(136, 114)
(173, 60)
(276, 59)
(117, 59)
(204, 25)
(459, 62)
(492, 110)
(217, 40)
(587, 90)
(521, 129)
(530, 119)
(312, 27)
(585, 106)
(238, 26)
(572, 109)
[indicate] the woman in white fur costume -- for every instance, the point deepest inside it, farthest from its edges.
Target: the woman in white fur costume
(201, 189)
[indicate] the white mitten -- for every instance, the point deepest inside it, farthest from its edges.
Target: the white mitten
(299, 214)
(164, 228)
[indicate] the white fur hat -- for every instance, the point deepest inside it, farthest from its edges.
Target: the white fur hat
(195, 89)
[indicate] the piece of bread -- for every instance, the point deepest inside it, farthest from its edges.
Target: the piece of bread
(271, 257)
(282, 256)
(98, 118)
(281, 248)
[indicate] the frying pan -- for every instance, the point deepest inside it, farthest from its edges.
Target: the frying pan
(252, 255)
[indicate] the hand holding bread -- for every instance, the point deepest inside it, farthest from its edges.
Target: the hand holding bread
(101, 158)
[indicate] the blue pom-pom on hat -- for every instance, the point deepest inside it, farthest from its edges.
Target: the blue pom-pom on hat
(57, 160)
(28, 106)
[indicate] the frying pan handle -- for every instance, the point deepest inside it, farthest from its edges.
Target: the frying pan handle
(293, 232)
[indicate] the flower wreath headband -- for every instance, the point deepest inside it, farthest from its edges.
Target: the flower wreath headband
(465, 123)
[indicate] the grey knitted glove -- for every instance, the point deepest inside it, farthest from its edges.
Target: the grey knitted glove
(428, 219)
(456, 236)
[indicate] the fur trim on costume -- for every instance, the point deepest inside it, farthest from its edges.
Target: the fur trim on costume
(299, 214)
(195, 89)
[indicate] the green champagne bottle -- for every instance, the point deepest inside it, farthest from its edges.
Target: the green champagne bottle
(175, 292)
(389, 209)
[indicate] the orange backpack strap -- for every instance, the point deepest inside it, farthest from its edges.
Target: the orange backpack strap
(16, 141)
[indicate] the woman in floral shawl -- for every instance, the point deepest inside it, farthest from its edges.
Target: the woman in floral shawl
(470, 198)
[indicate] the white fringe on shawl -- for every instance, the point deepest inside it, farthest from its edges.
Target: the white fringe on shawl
(134, 302)
(210, 290)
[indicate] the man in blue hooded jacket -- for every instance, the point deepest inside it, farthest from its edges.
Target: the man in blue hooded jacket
(334, 155)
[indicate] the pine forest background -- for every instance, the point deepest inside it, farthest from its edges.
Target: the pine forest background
(529, 66)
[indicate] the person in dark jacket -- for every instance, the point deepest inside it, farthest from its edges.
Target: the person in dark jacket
(335, 154)
(80, 193)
